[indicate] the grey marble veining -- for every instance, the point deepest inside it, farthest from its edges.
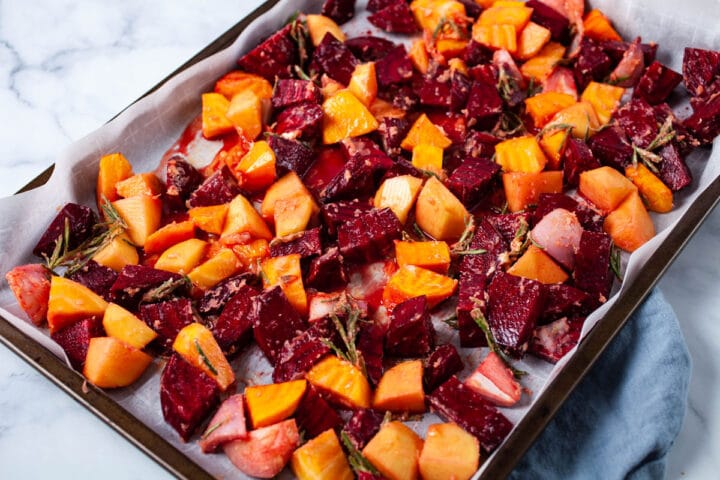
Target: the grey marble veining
(66, 67)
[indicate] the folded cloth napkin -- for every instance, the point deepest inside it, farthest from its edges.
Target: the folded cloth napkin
(622, 419)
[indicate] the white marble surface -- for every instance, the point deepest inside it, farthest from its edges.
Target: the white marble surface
(66, 67)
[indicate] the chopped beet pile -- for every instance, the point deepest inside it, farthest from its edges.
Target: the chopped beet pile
(371, 198)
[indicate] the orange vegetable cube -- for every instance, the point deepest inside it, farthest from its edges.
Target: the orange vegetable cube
(214, 121)
(524, 189)
(111, 363)
(541, 65)
(511, 13)
(520, 154)
(71, 301)
(196, 344)
(113, 168)
(287, 187)
(658, 197)
(581, 116)
(217, 268)
(538, 265)
(439, 213)
(399, 195)
(458, 65)
(598, 27)
(273, 403)
(543, 106)
(383, 109)
(342, 381)
(245, 112)
(497, 37)
(429, 158)
(400, 389)
(394, 451)
(321, 458)
(432, 255)
(251, 254)
(605, 187)
(363, 83)
(449, 48)
(210, 219)
(139, 184)
(242, 217)
(630, 225)
(167, 236)
(329, 87)
(411, 281)
(285, 271)
(320, 25)
(142, 216)
(182, 257)
(532, 39)
(117, 254)
(292, 215)
(604, 98)
(236, 82)
(429, 13)
(256, 170)
(345, 117)
(123, 325)
(449, 452)
(419, 56)
(553, 143)
(425, 132)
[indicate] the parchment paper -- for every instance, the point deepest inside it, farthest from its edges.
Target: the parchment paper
(148, 128)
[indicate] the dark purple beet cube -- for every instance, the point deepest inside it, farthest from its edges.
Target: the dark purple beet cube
(368, 48)
(612, 147)
(134, 281)
(218, 188)
(475, 274)
(327, 272)
(339, 213)
(275, 321)
(411, 332)
(472, 8)
(453, 124)
(476, 53)
(457, 403)
(401, 95)
(167, 319)
(274, 57)
(75, 339)
(472, 180)
(392, 131)
(335, 59)
(290, 91)
(553, 341)
(291, 155)
(358, 177)
(440, 365)
(395, 18)
(509, 225)
(181, 179)
(187, 395)
(434, 89)
(395, 67)
(484, 105)
(377, 5)
(301, 353)
(700, 68)
(565, 301)
(577, 158)
(360, 147)
(592, 265)
(339, 10)
(369, 236)
(674, 172)
(362, 427)
(370, 342)
(80, 221)
(215, 299)
(487, 238)
(314, 415)
(96, 277)
(303, 120)
(657, 83)
(637, 118)
(548, 17)
(592, 63)
(306, 243)
(704, 123)
(480, 145)
(403, 167)
(233, 328)
(616, 50)
(514, 306)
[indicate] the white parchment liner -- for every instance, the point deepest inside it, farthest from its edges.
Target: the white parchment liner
(148, 128)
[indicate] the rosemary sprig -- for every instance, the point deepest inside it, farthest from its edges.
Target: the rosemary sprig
(451, 321)
(646, 155)
(521, 241)
(481, 321)
(299, 33)
(664, 136)
(553, 127)
(164, 290)
(462, 246)
(616, 262)
(356, 459)
(205, 358)
(348, 334)
(420, 232)
(451, 28)
(648, 158)
(214, 427)
(507, 86)
(509, 125)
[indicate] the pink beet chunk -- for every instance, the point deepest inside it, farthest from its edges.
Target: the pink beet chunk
(227, 425)
(558, 233)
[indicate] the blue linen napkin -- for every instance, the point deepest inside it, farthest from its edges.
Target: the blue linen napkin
(622, 419)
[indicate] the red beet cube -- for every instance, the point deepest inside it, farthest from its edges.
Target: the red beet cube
(362, 426)
(301, 353)
(592, 266)
(674, 172)
(440, 365)
(592, 63)
(306, 243)
(395, 18)
(327, 272)
(303, 120)
(369, 236)
(333, 58)
(290, 91)
(476, 54)
(368, 48)
(358, 178)
(274, 57)
(472, 180)
(394, 67)
(96, 277)
(314, 415)
(233, 328)
(377, 5)
(187, 395)
(700, 68)
(215, 299)
(80, 221)
(657, 83)
(480, 145)
(548, 17)
(457, 403)
(291, 155)
(510, 224)
(134, 281)
(392, 131)
(704, 123)
(552, 341)
(275, 321)
(75, 339)
(411, 332)
(514, 307)
(218, 188)
(637, 118)
(339, 10)
(565, 301)
(484, 105)
(577, 158)
(339, 213)
(612, 147)
(181, 179)
(370, 341)
(167, 319)
(475, 274)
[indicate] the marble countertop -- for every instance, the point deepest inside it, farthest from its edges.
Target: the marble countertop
(66, 67)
